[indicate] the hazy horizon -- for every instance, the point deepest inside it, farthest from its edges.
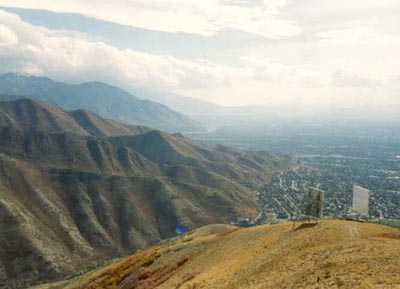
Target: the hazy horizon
(233, 53)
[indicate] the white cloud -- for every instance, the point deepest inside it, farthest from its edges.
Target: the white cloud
(344, 56)
(343, 78)
(205, 17)
(71, 56)
(7, 36)
(358, 36)
(267, 69)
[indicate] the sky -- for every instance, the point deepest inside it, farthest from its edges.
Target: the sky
(231, 52)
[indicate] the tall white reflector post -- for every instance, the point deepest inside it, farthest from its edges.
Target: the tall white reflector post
(361, 200)
(315, 202)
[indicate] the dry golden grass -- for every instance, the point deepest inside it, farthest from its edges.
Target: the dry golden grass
(331, 254)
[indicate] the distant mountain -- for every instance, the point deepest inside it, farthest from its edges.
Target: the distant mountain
(106, 100)
(330, 254)
(187, 105)
(76, 187)
(216, 116)
(211, 114)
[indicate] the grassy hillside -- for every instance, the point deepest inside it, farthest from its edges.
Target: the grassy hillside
(331, 254)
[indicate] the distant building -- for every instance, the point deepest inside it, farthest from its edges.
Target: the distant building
(243, 222)
(315, 201)
(282, 215)
(361, 200)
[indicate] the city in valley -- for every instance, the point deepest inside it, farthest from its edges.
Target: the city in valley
(332, 156)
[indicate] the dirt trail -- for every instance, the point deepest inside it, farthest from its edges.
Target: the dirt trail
(353, 230)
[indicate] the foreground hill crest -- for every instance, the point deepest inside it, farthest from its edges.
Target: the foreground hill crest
(331, 254)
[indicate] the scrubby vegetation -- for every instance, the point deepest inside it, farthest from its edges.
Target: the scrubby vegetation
(330, 254)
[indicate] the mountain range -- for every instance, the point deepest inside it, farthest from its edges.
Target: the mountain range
(77, 187)
(103, 99)
(187, 105)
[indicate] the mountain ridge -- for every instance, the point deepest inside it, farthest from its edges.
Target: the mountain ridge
(72, 196)
(184, 104)
(35, 115)
(106, 100)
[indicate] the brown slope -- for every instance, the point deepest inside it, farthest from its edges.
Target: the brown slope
(73, 199)
(100, 126)
(234, 164)
(70, 151)
(34, 115)
(28, 114)
(68, 198)
(331, 254)
(64, 218)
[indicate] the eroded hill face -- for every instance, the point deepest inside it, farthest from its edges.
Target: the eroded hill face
(331, 254)
(72, 191)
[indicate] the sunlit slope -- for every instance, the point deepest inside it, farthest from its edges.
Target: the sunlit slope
(76, 188)
(331, 254)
